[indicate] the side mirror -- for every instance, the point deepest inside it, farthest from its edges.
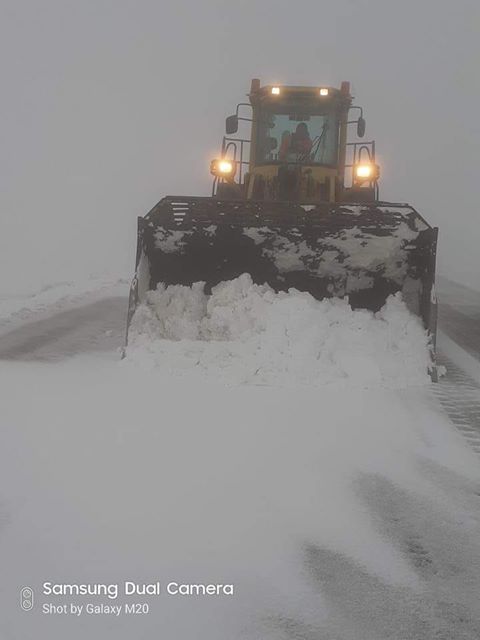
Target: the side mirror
(361, 127)
(231, 124)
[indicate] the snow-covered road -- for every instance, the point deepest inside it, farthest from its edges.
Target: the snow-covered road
(459, 315)
(94, 326)
(51, 328)
(95, 321)
(339, 514)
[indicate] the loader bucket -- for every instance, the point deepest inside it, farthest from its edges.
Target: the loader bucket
(365, 251)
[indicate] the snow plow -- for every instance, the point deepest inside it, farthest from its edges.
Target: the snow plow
(302, 212)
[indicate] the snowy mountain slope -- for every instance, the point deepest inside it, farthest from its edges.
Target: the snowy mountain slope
(336, 513)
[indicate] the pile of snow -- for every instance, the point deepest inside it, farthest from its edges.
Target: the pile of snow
(247, 333)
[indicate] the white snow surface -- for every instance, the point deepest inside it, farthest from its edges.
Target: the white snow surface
(58, 295)
(247, 333)
(337, 513)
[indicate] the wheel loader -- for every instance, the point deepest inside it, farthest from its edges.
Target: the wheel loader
(295, 203)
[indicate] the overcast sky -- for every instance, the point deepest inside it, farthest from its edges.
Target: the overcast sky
(107, 105)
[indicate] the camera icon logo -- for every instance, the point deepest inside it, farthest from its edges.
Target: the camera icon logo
(26, 598)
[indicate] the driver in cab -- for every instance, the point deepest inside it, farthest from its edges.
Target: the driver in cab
(298, 143)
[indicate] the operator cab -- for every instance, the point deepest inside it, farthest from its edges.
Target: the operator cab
(297, 127)
(297, 148)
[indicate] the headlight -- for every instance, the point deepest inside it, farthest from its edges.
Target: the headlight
(275, 91)
(324, 91)
(223, 168)
(365, 172)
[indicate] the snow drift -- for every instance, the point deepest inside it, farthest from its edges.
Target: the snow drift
(248, 333)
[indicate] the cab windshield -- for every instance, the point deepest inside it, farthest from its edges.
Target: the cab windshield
(297, 138)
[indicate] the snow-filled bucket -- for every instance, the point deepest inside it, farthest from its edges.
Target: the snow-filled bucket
(365, 252)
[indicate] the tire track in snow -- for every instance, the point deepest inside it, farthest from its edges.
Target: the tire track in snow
(459, 396)
(458, 393)
(437, 536)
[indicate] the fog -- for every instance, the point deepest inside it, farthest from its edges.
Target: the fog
(108, 105)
